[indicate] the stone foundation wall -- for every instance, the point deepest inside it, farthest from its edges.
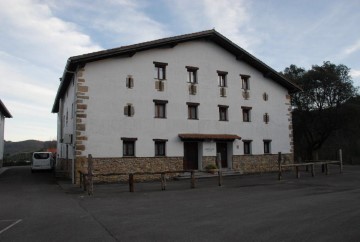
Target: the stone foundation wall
(130, 165)
(206, 160)
(259, 163)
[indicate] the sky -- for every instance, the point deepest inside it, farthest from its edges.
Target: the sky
(38, 36)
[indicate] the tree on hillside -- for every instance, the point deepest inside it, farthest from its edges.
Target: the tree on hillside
(317, 113)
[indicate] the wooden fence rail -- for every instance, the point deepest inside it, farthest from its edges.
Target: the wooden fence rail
(312, 166)
(86, 180)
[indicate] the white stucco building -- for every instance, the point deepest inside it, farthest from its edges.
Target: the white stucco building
(4, 113)
(173, 104)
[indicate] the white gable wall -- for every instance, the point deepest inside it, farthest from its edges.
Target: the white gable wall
(106, 122)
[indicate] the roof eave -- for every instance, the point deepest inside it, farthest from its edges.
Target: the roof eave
(4, 110)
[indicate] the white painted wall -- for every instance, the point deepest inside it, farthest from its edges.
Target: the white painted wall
(67, 109)
(106, 122)
(2, 125)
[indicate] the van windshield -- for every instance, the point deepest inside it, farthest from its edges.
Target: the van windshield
(41, 155)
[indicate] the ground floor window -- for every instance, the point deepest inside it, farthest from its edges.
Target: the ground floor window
(247, 147)
(128, 146)
(160, 147)
(267, 146)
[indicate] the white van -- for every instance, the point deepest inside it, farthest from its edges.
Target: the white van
(42, 161)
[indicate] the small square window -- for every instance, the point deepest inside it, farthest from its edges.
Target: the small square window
(267, 146)
(223, 113)
(246, 112)
(247, 147)
(160, 147)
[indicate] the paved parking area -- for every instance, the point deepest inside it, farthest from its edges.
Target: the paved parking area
(245, 208)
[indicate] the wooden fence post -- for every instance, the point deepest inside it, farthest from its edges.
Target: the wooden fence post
(341, 160)
(297, 172)
(327, 172)
(131, 182)
(90, 176)
(192, 179)
(163, 181)
(313, 170)
(279, 163)
(218, 162)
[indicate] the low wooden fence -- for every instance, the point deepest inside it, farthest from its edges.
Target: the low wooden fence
(86, 178)
(311, 164)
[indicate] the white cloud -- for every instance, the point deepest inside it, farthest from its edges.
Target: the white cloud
(353, 48)
(355, 73)
(30, 30)
(229, 17)
(114, 21)
(34, 46)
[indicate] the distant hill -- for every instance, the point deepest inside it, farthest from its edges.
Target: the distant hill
(12, 148)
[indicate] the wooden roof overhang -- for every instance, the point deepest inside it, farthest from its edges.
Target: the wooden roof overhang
(209, 137)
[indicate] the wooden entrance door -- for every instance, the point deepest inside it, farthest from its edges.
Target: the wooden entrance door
(190, 156)
(222, 149)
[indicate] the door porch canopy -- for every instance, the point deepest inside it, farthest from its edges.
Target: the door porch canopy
(208, 137)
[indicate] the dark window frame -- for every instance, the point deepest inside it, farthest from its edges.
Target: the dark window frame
(160, 108)
(193, 106)
(129, 148)
(222, 78)
(160, 70)
(246, 113)
(160, 147)
(192, 74)
(223, 113)
(267, 146)
(245, 82)
(247, 147)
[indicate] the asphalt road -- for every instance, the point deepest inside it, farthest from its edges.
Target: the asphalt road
(34, 207)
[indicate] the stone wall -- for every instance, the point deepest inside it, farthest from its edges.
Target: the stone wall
(259, 163)
(206, 160)
(130, 165)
